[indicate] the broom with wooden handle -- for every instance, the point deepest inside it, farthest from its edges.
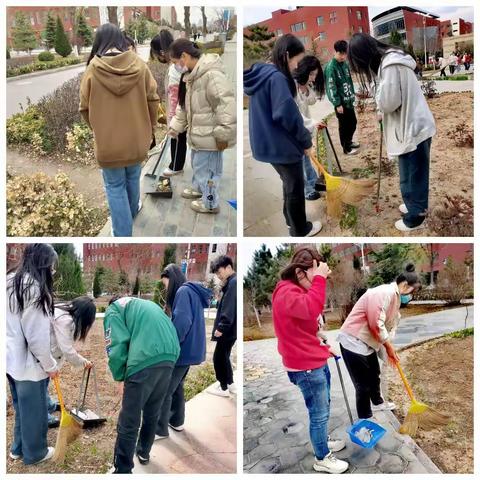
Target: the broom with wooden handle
(69, 429)
(419, 414)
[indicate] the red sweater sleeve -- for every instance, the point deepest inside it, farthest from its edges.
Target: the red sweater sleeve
(307, 306)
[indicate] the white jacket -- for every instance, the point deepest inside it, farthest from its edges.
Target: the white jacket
(28, 338)
(304, 102)
(210, 113)
(61, 340)
(407, 118)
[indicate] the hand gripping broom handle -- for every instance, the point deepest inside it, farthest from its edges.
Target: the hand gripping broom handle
(56, 382)
(343, 389)
(405, 382)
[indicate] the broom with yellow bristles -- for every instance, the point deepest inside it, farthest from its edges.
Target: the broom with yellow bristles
(419, 414)
(69, 429)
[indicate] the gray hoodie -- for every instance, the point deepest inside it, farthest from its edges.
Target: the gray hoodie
(407, 119)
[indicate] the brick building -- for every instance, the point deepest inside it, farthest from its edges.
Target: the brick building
(94, 15)
(319, 26)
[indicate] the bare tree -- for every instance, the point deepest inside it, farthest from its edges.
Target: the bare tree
(188, 27)
(204, 21)
(113, 15)
(430, 250)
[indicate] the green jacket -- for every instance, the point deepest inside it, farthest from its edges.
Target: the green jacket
(138, 334)
(339, 84)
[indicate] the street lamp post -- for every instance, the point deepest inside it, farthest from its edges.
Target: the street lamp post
(425, 40)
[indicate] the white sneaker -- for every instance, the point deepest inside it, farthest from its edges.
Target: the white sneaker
(335, 445)
(48, 456)
(180, 428)
(384, 406)
(403, 209)
(330, 464)
(217, 390)
(111, 470)
(160, 437)
(316, 227)
(232, 388)
(140, 205)
(13, 456)
(399, 225)
(170, 173)
(353, 151)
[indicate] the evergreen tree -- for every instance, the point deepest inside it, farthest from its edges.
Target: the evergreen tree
(62, 44)
(83, 32)
(169, 256)
(136, 286)
(97, 281)
(123, 283)
(23, 36)
(258, 33)
(142, 31)
(50, 31)
(68, 278)
(389, 263)
(396, 39)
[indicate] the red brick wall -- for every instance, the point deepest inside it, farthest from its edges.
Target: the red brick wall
(458, 251)
(415, 20)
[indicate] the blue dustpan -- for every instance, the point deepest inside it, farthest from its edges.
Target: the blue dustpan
(377, 431)
(233, 203)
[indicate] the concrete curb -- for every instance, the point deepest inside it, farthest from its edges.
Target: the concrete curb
(44, 72)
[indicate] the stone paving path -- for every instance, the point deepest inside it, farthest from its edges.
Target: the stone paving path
(276, 438)
(161, 217)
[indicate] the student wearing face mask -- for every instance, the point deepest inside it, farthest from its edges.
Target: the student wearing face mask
(368, 330)
(159, 47)
(297, 305)
(206, 111)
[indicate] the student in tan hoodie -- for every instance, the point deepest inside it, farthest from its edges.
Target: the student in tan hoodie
(119, 101)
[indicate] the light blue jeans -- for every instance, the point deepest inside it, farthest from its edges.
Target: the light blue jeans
(207, 166)
(309, 176)
(315, 388)
(31, 424)
(122, 187)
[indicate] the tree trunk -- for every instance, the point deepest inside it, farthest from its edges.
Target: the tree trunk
(113, 15)
(188, 27)
(257, 316)
(204, 22)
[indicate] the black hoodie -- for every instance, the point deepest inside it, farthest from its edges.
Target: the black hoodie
(226, 319)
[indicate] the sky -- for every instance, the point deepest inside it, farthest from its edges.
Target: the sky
(254, 15)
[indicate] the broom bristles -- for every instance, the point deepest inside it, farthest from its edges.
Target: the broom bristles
(69, 431)
(422, 416)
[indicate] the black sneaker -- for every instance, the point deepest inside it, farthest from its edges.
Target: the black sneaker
(54, 423)
(312, 196)
(143, 459)
(320, 187)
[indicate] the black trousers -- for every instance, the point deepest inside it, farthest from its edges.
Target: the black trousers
(452, 69)
(221, 362)
(347, 124)
(364, 371)
(178, 152)
(293, 197)
(442, 72)
(143, 396)
(173, 408)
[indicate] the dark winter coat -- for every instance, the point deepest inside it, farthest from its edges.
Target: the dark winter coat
(226, 319)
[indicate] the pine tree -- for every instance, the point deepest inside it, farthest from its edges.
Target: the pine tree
(396, 39)
(389, 262)
(136, 286)
(83, 32)
(142, 30)
(68, 278)
(49, 32)
(97, 281)
(23, 36)
(62, 44)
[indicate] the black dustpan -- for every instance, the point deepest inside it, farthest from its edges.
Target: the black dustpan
(86, 417)
(156, 184)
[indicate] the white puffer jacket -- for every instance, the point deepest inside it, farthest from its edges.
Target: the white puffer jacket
(210, 113)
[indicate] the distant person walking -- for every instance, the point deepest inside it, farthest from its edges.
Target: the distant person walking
(225, 327)
(207, 111)
(408, 122)
(452, 62)
(341, 93)
(443, 63)
(467, 61)
(276, 128)
(119, 102)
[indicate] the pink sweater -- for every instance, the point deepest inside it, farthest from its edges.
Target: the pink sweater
(374, 315)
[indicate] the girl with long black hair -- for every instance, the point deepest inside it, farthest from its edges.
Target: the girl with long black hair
(310, 87)
(119, 101)
(30, 364)
(407, 120)
(159, 48)
(207, 112)
(186, 302)
(277, 132)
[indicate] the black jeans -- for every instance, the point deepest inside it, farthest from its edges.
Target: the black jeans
(364, 371)
(452, 69)
(442, 72)
(221, 362)
(178, 152)
(414, 169)
(347, 124)
(293, 197)
(143, 396)
(173, 408)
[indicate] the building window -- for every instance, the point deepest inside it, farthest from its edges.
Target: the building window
(304, 40)
(333, 17)
(359, 15)
(320, 20)
(322, 36)
(214, 248)
(298, 27)
(279, 32)
(387, 27)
